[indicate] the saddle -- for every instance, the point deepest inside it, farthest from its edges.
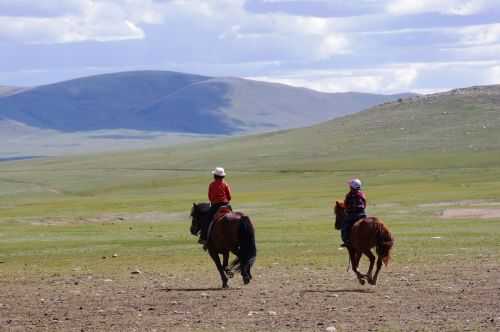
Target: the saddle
(223, 213)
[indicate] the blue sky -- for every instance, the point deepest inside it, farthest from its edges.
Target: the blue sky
(382, 46)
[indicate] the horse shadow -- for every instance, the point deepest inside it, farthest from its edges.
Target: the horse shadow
(344, 290)
(208, 289)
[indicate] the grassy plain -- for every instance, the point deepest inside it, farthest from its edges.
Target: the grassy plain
(68, 217)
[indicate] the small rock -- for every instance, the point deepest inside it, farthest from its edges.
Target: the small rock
(204, 294)
(272, 313)
(251, 313)
(103, 257)
(108, 280)
(331, 329)
(114, 255)
(136, 271)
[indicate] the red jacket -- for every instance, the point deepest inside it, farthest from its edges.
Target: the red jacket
(355, 201)
(219, 192)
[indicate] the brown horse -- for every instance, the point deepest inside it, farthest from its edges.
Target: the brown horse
(233, 233)
(366, 233)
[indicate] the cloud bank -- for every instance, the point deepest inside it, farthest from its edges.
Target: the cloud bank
(375, 46)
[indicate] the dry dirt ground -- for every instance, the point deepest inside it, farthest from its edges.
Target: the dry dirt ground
(446, 297)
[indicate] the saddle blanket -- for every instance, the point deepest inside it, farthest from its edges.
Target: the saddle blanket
(223, 212)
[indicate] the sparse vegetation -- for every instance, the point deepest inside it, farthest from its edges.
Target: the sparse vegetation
(61, 216)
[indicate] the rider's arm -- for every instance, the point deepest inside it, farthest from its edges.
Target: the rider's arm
(228, 192)
(210, 193)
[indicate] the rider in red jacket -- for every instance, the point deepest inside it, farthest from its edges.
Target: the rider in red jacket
(355, 205)
(219, 194)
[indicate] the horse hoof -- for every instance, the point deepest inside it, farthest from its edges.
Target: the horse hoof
(225, 286)
(362, 281)
(230, 274)
(246, 280)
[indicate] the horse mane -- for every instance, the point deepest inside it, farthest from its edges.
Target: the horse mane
(339, 207)
(200, 207)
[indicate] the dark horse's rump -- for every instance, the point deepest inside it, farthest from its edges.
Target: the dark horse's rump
(233, 233)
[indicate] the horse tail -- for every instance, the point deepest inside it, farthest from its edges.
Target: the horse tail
(248, 249)
(385, 241)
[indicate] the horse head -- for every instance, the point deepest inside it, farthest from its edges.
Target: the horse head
(198, 214)
(339, 214)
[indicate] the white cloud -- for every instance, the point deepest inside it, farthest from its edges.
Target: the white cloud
(481, 34)
(41, 8)
(48, 21)
(448, 7)
(65, 29)
(394, 78)
(332, 45)
(389, 79)
(495, 75)
(234, 31)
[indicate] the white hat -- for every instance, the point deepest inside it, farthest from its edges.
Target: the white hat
(355, 184)
(219, 171)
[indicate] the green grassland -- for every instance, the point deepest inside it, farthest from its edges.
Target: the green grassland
(62, 215)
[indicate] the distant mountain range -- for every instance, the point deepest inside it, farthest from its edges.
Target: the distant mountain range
(175, 102)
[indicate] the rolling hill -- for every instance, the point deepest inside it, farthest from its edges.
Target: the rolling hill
(459, 128)
(175, 102)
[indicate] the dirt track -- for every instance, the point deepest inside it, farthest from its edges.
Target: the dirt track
(424, 299)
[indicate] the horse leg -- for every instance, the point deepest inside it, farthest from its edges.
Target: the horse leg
(225, 262)
(355, 257)
(379, 265)
(371, 257)
(216, 259)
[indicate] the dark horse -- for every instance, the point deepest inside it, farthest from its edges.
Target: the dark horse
(366, 233)
(233, 233)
